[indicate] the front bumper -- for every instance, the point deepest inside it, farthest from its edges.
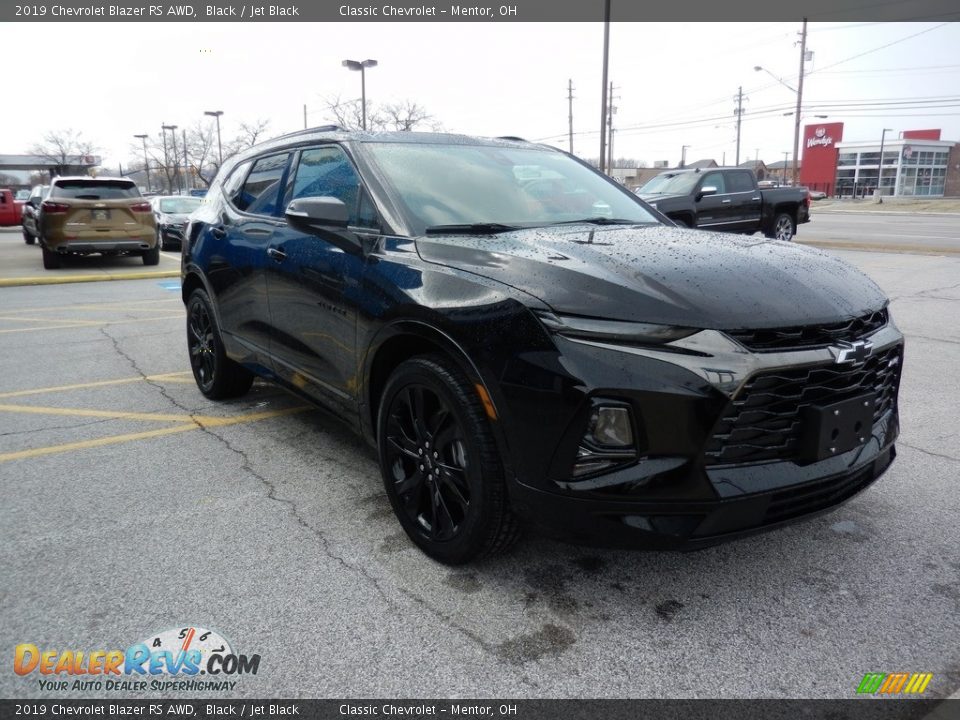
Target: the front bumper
(682, 493)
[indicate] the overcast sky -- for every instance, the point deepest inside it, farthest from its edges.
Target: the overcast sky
(114, 80)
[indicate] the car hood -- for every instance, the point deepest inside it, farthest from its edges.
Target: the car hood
(660, 274)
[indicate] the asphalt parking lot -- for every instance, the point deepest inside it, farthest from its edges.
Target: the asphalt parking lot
(132, 505)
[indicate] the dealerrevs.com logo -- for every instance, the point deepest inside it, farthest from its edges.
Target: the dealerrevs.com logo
(187, 658)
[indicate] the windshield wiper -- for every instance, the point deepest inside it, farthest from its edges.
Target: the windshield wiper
(599, 221)
(469, 229)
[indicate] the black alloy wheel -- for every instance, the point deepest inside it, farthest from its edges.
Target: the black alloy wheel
(217, 376)
(440, 465)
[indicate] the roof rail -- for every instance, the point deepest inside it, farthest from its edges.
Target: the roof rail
(320, 128)
(511, 137)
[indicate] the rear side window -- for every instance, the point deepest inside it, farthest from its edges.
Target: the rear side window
(95, 190)
(261, 191)
(738, 182)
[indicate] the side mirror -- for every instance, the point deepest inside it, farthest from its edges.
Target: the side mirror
(325, 217)
(706, 190)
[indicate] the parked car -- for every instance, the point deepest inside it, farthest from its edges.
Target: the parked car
(10, 209)
(563, 356)
(728, 200)
(170, 214)
(84, 215)
(31, 213)
(818, 195)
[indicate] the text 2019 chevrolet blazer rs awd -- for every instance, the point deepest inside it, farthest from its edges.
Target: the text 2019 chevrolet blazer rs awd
(522, 339)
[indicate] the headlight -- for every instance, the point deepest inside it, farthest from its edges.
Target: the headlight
(613, 330)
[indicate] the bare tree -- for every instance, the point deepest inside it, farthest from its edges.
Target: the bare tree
(61, 147)
(407, 115)
(201, 152)
(404, 115)
(8, 180)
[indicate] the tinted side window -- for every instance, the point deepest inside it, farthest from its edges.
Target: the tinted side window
(261, 191)
(738, 182)
(328, 172)
(232, 185)
(714, 180)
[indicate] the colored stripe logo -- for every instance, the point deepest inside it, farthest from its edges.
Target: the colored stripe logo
(894, 683)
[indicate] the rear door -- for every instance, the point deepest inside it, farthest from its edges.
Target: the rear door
(745, 200)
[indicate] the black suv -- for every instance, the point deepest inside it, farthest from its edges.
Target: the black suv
(523, 339)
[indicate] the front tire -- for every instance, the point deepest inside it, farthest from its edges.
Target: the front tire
(783, 228)
(217, 376)
(28, 238)
(160, 240)
(440, 465)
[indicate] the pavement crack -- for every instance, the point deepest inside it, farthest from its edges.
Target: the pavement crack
(928, 452)
(35, 431)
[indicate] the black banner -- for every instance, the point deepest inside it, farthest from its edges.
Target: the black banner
(190, 709)
(79, 11)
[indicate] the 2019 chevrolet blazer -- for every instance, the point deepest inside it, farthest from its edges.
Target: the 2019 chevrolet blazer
(522, 339)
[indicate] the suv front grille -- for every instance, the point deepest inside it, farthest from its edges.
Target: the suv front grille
(763, 422)
(810, 336)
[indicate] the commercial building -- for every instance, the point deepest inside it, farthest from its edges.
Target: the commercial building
(915, 163)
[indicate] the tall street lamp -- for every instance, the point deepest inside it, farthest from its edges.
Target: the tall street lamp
(883, 136)
(217, 114)
(176, 158)
(362, 66)
(799, 93)
(146, 164)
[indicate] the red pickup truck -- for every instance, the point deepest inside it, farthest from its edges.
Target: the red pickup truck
(10, 209)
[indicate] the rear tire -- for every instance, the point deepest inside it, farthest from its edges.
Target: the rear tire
(152, 256)
(440, 465)
(217, 376)
(51, 260)
(28, 238)
(783, 228)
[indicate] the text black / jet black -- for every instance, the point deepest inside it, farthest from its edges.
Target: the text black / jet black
(522, 338)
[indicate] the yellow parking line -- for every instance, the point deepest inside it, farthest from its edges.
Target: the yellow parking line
(112, 414)
(51, 320)
(170, 377)
(58, 279)
(132, 305)
(85, 323)
(129, 437)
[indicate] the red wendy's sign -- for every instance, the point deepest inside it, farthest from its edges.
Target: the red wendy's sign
(819, 167)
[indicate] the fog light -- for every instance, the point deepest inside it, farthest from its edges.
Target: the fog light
(610, 427)
(608, 442)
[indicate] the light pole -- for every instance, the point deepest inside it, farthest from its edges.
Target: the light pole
(883, 136)
(362, 66)
(146, 164)
(799, 92)
(176, 159)
(217, 114)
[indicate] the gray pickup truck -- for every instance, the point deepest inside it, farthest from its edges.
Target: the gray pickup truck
(728, 200)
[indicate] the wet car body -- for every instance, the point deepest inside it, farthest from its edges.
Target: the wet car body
(728, 356)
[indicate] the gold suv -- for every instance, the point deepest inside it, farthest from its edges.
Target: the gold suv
(84, 215)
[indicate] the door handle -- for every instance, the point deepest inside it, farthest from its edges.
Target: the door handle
(277, 254)
(726, 202)
(218, 232)
(756, 199)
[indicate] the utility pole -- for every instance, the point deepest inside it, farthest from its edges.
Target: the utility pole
(796, 127)
(304, 116)
(570, 112)
(166, 157)
(603, 87)
(611, 109)
(683, 156)
(186, 163)
(739, 115)
(784, 177)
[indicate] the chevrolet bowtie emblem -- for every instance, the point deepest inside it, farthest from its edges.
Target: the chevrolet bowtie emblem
(856, 352)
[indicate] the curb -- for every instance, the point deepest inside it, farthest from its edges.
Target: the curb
(870, 247)
(63, 279)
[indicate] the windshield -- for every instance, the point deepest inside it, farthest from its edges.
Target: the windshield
(483, 184)
(180, 205)
(670, 184)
